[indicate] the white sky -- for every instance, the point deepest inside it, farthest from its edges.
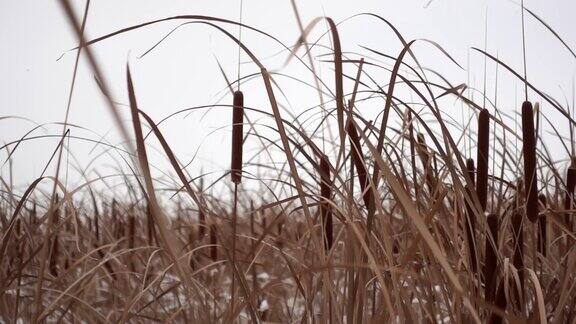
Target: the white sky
(182, 72)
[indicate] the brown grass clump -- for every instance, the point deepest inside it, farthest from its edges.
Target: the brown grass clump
(393, 225)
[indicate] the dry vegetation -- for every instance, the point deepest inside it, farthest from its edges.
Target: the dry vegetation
(410, 218)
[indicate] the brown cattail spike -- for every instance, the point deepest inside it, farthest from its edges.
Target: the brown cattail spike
(202, 227)
(569, 197)
(482, 157)
(471, 219)
(213, 243)
(358, 159)
(471, 169)
(326, 194)
(201, 215)
(529, 149)
(425, 155)
(237, 136)
(54, 255)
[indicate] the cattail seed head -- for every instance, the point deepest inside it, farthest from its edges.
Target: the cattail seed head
(358, 160)
(569, 196)
(425, 158)
(326, 194)
(529, 150)
(470, 219)
(471, 169)
(237, 136)
(213, 243)
(482, 157)
(131, 231)
(201, 215)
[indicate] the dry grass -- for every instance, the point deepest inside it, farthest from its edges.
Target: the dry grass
(332, 218)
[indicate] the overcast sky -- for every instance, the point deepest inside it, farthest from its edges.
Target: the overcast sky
(183, 72)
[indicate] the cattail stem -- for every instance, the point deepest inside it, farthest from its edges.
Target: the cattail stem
(491, 258)
(131, 236)
(234, 229)
(529, 150)
(253, 256)
(518, 256)
(501, 303)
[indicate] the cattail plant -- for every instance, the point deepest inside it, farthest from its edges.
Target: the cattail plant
(253, 247)
(501, 303)
(358, 159)
(96, 224)
(55, 251)
(237, 136)
(491, 258)
(529, 150)
(191, 261)
(236, 171)
(131, 236)
(151, 227)
(569, 195)
(542, 225)
(213, 243)
(518, 253)
(426, 161)
(325, 194)
(470, 218)
(201, 215)
(482, 158)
